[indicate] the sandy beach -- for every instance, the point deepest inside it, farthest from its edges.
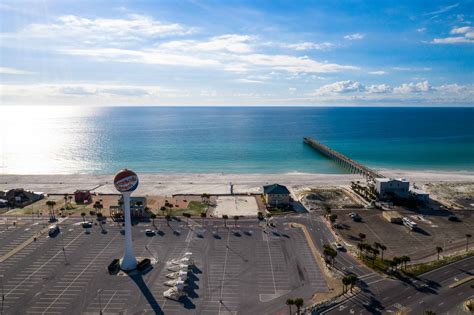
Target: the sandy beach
(215, 183)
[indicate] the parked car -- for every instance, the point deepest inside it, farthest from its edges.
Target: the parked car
(114, 266)
(53, 230)
(87, 224)
(355, 217)
(149, 232)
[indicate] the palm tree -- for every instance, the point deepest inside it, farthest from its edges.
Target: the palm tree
(236, 217)
(83, 215)
(168, 219)
(360, 247)
(188, 216)
(345, 283)
(225, 217)
(375, 252)
(404, 260)
(153, 217)
(362, 237)
(327, 208)
(299, 302)
(439, 250)
(330, 253)
(163, 209)
(206, 199)
(468, 236)
(382, 248)
(352, 280)
(51, 204)
(65, 200)
(290, 302)
(203, 216)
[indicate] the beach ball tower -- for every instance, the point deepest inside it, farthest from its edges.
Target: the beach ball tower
(126, 181)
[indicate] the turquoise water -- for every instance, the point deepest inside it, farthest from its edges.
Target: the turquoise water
(232, 140)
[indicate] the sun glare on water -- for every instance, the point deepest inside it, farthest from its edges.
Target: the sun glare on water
(35, 138)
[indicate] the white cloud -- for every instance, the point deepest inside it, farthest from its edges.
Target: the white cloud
(443, 9)
(453, 40)
(463, 35)
(293, 64)
(133, 40)
(351, 92)
(462, 30)
(419, 87)
(248, 81)
(309, 46)
(340, 87)
(355, 36)
(455, 88)
(421, 30)
(78, 93)
(5, 70)
(380, 72)
(230, 42)
(379, 89)
(147, 56)
(101, 31)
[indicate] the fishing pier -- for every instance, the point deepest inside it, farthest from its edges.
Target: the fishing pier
(342, 160)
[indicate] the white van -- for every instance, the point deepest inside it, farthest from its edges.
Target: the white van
(409, 223)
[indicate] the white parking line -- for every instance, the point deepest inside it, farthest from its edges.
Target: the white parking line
(47, 262)
(79, 275)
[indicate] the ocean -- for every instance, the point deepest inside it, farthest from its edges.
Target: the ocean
(71, 140)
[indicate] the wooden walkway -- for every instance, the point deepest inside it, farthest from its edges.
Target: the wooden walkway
(341, 159)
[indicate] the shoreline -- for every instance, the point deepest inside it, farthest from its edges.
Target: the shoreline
(217, 183)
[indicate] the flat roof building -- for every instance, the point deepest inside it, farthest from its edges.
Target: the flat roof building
(388, 188)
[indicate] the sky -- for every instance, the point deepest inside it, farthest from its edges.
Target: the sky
(382, 53)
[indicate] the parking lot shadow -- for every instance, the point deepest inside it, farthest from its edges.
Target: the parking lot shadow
(138, 279)
(187, 303)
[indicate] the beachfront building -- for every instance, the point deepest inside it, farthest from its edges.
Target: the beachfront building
(82, 197)
(388, 188)
(138, 208)
(419, 195)
(19, 197)
(276, 195)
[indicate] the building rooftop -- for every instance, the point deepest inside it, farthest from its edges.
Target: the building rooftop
(386, 180)
(276, 189)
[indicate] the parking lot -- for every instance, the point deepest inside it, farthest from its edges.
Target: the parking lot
(240, 270)
(434, 229)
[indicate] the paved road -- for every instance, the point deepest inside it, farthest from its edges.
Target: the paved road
(382, 295)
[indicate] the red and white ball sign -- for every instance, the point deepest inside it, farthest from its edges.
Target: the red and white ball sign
(126, 181)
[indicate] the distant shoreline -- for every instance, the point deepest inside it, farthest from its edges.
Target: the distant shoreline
(176, 183)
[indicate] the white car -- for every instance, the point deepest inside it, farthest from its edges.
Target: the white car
(175, 282)
(184, 260)
(183, 275)
(339, 246)
(175, 292)
(178, 267)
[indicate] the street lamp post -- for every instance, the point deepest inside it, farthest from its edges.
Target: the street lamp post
(100, 302)
(3, 295)
(126, 182)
